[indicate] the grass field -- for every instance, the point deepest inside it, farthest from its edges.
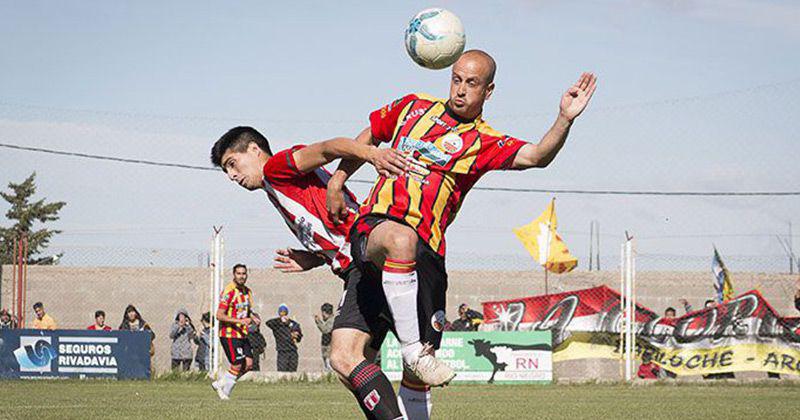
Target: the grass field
(164, 399)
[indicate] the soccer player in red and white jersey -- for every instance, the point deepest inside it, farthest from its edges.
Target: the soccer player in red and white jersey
(399, 234)
(296, 184)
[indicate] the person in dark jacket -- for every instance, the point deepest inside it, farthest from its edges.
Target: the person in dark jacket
(201, 357)
(132, 321)
(287, 334)
(468, 320)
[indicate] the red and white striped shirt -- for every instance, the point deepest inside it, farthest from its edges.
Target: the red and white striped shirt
(300, 199)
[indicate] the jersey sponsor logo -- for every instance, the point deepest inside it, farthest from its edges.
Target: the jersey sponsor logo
(372, 399)
(412, 114)
(441, 123)
(437, 320)
(452, 143)
(427, 150)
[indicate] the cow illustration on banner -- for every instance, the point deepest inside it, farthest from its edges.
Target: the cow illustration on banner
(742, 334)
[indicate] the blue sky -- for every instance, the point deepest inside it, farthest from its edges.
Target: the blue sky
(693, 95)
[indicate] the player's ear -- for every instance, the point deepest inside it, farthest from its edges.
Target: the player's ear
(489, 91)
(254, 149)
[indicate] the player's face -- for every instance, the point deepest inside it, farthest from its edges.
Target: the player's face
(469, 87)
(240, 276)
(245, 168)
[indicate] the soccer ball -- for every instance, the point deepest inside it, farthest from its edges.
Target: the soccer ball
(435, 38)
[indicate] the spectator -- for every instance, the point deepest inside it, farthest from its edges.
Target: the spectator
(287, 334)
(182, 333)
(325, 325)
(43, 321)
(201, 357)
(7, 321)
(669, 313)
(99, 322)
(688, 308)
(797, 296)
(648, 369)
(468, 320)
(132, 321)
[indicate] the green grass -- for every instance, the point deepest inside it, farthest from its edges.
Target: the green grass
(172, 399)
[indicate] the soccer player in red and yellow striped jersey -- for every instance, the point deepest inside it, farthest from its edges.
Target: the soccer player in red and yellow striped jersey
(400, 232)
(235, 315)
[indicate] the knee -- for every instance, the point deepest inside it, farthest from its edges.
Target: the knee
(401, 242)
(342, 362)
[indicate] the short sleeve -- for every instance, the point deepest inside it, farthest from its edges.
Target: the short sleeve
(225, 300)
(282, 166)
(499, 153)
(384, 120)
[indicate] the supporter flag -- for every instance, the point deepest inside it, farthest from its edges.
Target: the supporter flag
(722, 279)
(539, 237)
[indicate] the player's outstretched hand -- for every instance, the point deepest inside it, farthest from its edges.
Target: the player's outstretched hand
(388, 162)
(578, 95)
(289, 260)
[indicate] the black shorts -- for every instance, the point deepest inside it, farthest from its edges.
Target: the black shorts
(236, 349)
(363, 307)
(367, 301)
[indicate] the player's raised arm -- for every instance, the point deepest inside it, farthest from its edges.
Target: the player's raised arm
(573, 102)
(388, 162)
(337, 209)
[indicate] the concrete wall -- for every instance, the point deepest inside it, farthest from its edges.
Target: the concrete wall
(72, 294)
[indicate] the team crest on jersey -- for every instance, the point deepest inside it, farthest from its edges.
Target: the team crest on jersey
(438, 320)
(452, 143)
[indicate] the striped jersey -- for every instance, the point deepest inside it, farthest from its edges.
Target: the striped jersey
(457, 153)
(300, 199)
(237, 303)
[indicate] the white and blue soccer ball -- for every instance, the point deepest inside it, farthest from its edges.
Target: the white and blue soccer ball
(435, 38)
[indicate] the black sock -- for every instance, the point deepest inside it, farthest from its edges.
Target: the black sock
(367, 413)
(374, 392)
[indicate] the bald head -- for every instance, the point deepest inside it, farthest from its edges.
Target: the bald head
(471, 83)
(482, 61)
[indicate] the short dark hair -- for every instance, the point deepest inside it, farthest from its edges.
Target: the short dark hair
(669, 309)
(99, 313)
(327, 308)
(237, 139)
(38, 305)
(206, 317)
(240, 265)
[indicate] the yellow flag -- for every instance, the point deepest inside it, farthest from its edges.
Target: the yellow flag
(539, 237)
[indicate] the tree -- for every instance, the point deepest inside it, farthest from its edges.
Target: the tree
(26, 213)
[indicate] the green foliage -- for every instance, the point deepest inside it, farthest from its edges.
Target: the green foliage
(25, 213)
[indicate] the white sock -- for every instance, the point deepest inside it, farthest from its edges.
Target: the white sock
(228, 382)
(415, 405)
(400, 287)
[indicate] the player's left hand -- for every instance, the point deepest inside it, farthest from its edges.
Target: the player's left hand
(388, 162)
(575, 99)
(289, 260)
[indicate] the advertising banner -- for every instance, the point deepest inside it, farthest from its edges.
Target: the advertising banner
(36, 354)
(485, 357)
(742, 334)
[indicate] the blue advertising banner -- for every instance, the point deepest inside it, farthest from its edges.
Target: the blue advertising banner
(38, 354)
